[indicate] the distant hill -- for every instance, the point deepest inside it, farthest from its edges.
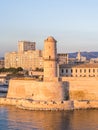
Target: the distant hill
(1, 58)
(88, 55)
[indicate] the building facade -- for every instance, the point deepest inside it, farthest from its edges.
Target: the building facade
(1, 62)
(26, 57)
(62, 58)
(26, 46)
(29, 60)
(81, 70)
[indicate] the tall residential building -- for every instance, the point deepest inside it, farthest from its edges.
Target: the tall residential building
(27, 57)
(29, 60)
(25, 46)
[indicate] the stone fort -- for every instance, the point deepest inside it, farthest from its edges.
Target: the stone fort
(53, 87)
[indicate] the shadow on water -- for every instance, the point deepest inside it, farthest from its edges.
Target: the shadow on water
(12, 118)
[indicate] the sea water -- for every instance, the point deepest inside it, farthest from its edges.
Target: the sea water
(12, 118)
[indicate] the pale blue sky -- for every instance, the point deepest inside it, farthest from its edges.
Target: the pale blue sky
(73, 23)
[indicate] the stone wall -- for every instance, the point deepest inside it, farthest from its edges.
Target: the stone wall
(85, 104)
(81, 88)
(72, 88)
(38, 105)
(36, 90)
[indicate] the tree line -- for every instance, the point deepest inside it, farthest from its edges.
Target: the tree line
(12, 70)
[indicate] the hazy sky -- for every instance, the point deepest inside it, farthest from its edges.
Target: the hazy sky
(73, 23)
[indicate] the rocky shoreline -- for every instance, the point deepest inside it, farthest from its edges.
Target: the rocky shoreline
(28, 104)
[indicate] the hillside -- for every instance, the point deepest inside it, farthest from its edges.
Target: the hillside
(88, 55)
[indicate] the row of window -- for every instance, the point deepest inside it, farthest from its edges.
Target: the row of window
(82, 75)
(85, 70)
(81, 70)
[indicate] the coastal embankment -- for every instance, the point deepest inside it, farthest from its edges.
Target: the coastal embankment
(37, 105)
(28, 104)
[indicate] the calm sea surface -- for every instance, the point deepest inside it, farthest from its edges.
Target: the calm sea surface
(12, 118)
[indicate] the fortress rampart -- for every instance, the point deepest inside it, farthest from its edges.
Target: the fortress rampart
(36, 90)
(72, 88)
(81, 88)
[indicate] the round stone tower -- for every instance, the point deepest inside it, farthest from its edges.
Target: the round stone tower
(50, 59)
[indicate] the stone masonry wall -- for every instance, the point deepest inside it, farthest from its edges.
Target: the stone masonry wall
(36, 90)
(81, 88)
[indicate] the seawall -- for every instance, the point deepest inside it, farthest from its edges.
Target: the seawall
(37, 105)
(51, 105)
(82, 93)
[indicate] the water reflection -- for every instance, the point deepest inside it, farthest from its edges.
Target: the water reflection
(17, 119)
(43, 120)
